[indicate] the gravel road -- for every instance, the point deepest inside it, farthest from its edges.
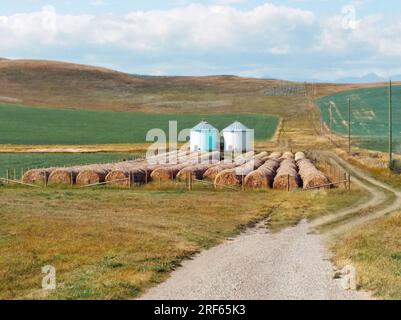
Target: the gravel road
(291, 264)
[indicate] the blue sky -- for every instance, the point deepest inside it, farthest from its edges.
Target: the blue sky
(291, 39)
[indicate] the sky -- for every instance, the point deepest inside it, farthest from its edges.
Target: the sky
(304, 40)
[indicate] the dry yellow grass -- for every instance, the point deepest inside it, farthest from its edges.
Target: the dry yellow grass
(108, 243)
(375, 251)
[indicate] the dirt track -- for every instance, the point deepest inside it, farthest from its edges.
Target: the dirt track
(383, 200)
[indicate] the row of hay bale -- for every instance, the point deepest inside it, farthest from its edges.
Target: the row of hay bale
(264, 176)
(212, 172)
(82, 175)
(170, 172)
(234, 176)
(287, 177)
(311, 176)
(278, 171)
(122, 173)
(126, 174)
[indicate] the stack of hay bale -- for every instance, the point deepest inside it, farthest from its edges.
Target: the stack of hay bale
(311, 176)
(37, 176)
(212, 172)
(203, 160)
(263, 177)
(287, 177)
(234, 177)
(125, 174)
(195, 171)
(85, 175)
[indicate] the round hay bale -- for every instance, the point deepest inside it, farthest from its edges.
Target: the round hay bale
(212, 172)
(62, 177)
(311, 176)
(36, 176)
(227, 178)
(126, 177)
(91, 176)
(286, 163)
(282, 181)
(287, 155)
(248, 167)
(233, 177)
(117, 178)
(257, 180)
(287, 176)
(261, 155)
(299, 156)
(165, 173)
(275, 155)
(196, 171)
(316, 180)
(263, 177)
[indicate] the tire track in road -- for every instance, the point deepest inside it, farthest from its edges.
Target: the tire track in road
(377, 206)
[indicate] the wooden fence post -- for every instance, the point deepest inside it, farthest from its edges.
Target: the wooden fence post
(345, 180)
(8, 176)
(189, 181)
(129, 179)
(288, 182)
(349, 181)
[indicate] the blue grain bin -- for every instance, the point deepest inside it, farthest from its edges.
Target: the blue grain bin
(204, 137)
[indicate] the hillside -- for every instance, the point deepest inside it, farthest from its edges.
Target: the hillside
(57, 84)
(66, 85)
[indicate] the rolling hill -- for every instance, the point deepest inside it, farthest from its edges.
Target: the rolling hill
(58, 84)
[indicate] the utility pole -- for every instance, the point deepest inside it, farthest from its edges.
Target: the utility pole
(349, 126)
(390, 126)
(331, 121)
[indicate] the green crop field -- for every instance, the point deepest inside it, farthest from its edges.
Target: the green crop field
(369, 116)
(46, 126)
(25, 161)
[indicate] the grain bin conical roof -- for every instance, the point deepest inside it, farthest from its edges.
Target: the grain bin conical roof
(236, 126)
(204, 126)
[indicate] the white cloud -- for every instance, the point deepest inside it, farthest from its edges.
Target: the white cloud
(369, 34)
(276, 40)
(41, 28)
(266, 28)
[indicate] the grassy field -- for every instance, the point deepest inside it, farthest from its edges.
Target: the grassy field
(44, 126)
(369, 116)
(25, 161)
(375, 251)
(144, 233)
